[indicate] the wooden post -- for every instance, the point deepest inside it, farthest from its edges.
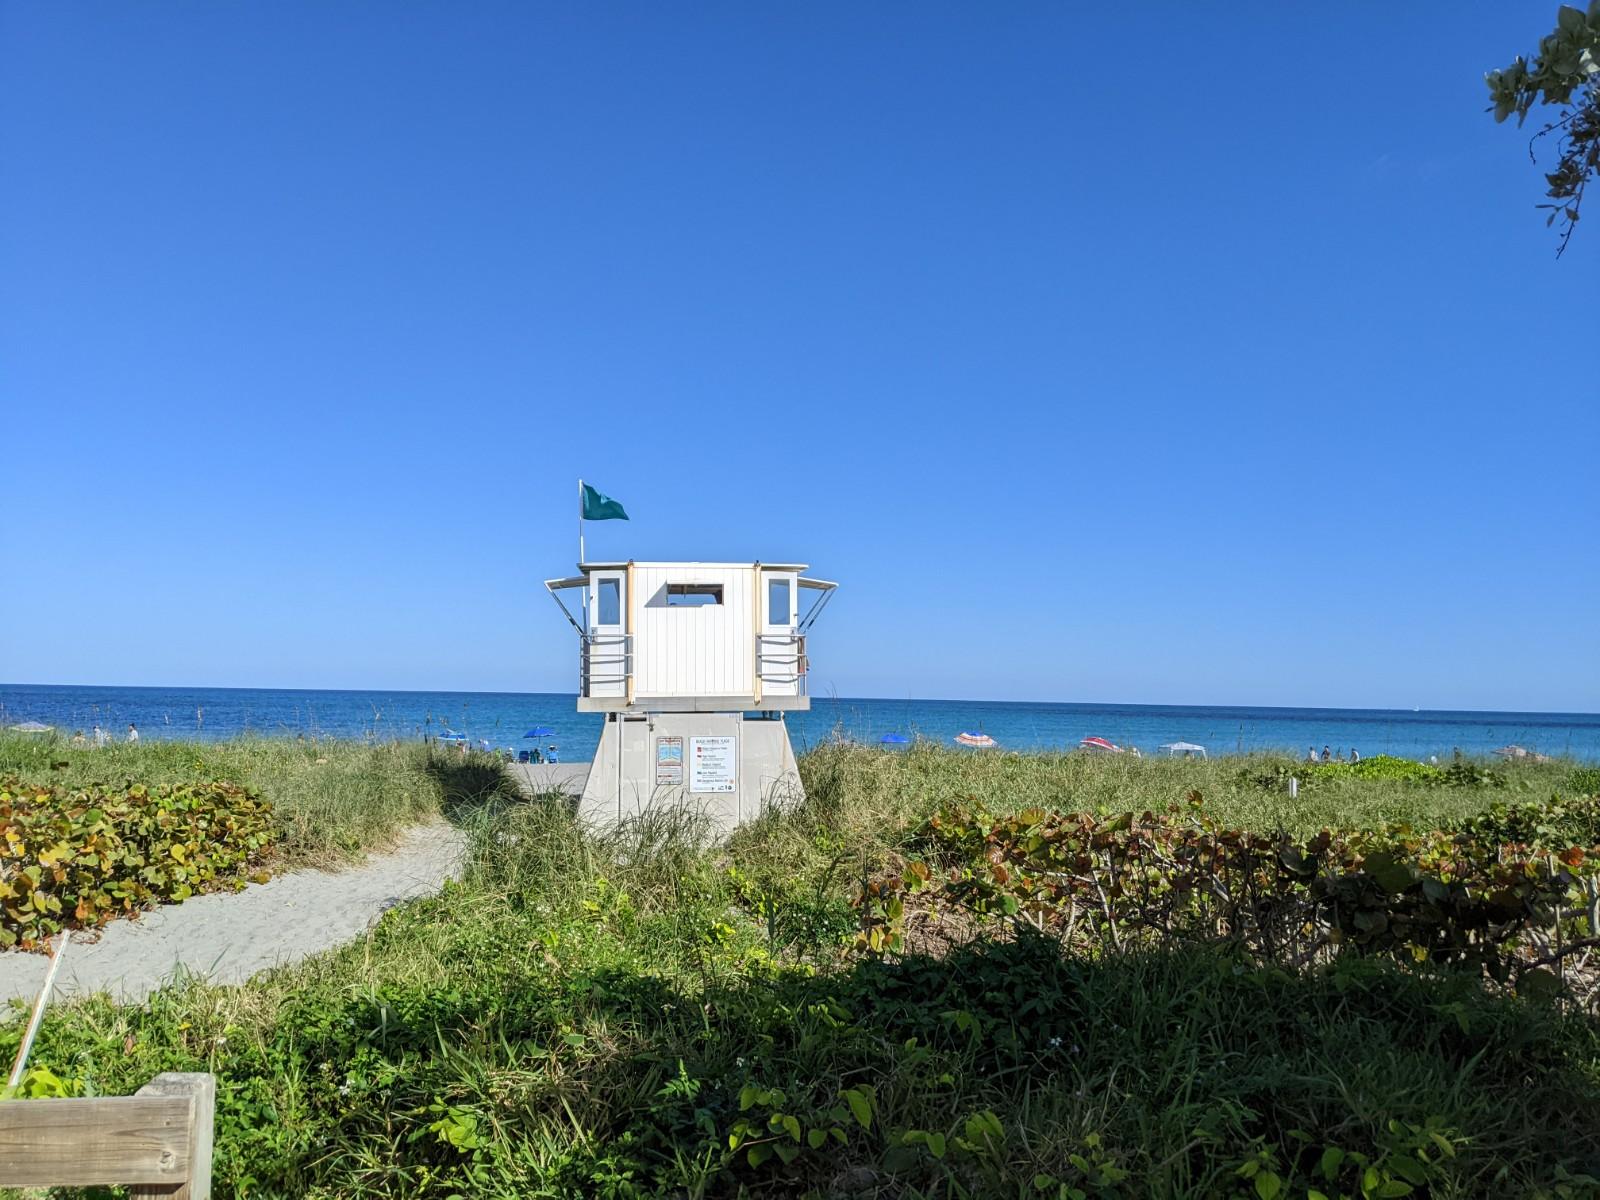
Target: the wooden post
(201, 1089)
(157, 1142)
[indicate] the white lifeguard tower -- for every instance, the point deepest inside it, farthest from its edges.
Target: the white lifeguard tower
(695, 666)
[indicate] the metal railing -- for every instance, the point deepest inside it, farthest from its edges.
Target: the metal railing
(605, 660)
(781, 659)
(605, 663)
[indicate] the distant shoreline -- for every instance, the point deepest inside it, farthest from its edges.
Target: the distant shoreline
(503, 719)
(1259, 754)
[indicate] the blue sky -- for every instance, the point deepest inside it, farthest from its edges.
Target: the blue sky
(1188, 354)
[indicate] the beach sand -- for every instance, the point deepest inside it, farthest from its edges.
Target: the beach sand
(229, 936)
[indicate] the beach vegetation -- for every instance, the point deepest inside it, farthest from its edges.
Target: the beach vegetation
(878, 796)
(331, 800)
(640, 1012)
(72, 858)
(1470, 898)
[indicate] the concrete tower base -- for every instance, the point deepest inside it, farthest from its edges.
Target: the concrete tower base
(721, 764)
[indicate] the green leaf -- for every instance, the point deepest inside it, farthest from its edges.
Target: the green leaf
(1329, 1165)
(1392, 875)
(1268, 1185)
(860, 1106)
(816, 1137)
(758, 1154)
(1408, 1168)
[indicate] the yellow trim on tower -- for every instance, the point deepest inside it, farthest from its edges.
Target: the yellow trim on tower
(628, 645)
(755, 664)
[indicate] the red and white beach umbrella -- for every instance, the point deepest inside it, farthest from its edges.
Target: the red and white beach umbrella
(1100, 743)
(981, 740)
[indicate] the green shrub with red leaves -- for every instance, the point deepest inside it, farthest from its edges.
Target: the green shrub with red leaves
(77, 858)
(1469, 897)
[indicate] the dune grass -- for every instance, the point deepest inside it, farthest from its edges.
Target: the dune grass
(642, 1013)
(332, 800)
(863, 802)
(904, 787)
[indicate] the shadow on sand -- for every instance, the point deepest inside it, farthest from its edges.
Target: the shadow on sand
(476, 787)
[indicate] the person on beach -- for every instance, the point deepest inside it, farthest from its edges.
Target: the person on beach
(1327, 755)
(1311, 754)
(1355, 757)
(551, 755)
(133, 734)
(99, 736)
(79, 740)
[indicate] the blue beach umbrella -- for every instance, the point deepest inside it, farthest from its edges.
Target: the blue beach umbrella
(452, 737)
(539, 731)
(894, 739)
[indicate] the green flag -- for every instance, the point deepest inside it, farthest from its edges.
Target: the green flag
(600, 507)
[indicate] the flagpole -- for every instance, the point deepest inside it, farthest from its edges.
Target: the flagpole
(580, 522)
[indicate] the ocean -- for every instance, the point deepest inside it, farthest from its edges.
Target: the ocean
(503, 718)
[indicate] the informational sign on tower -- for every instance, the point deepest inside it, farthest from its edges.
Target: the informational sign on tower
(713, 764)
(669, 762)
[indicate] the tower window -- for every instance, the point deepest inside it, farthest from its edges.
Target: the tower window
(779, 605)
(693, 595)
(608, 604)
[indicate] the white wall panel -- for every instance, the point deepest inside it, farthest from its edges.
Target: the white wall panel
(705, 650)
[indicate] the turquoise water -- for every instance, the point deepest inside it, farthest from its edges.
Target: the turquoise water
(501, 719)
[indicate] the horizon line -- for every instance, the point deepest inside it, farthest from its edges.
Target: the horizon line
(816, 700)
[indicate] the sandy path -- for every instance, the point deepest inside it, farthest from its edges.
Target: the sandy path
(229, 936)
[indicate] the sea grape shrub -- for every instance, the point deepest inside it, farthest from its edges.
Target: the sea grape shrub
(76, 859)
(1555, 824)
(1488, 896)
(1379, 766)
